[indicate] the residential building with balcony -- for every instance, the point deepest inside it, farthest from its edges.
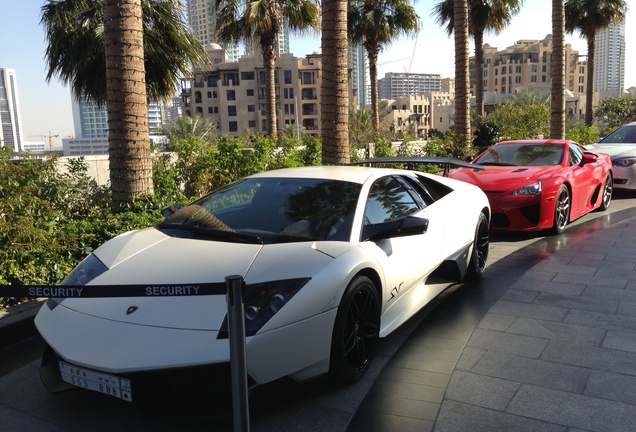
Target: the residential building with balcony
(10, 123)
(525, 66)
(234, 93)
(396, 84)
(609, 62)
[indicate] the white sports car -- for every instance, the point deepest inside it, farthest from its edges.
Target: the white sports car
(332, 259)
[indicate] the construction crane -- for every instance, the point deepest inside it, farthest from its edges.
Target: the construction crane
(46, 135)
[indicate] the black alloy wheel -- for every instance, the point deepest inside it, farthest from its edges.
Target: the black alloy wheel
(479, 256)
(356, 330)
(561, 210)
(608, 188)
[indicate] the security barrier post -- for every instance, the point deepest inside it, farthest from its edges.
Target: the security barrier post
(238, 362)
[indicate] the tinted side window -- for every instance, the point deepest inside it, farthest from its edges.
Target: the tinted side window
(576, 155)
(388, 200)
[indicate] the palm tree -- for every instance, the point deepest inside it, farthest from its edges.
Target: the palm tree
(557, 72)
(462, 95)
(588, 17)
(335, 83)
(375, 24)
(120, 53)
(258, 23)
(483, 16)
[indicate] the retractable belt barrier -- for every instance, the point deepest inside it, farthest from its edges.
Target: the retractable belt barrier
(97, 291)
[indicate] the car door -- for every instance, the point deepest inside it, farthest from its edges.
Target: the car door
(582, 177)
(406, 260)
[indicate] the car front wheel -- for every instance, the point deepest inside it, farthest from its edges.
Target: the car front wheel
(607, 193)
(479, 256)
(561, 210)
(356, 330)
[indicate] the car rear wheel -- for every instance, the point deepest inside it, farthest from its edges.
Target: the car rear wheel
(479, 256)
(356, 330)
(608, 187)
(561, 210)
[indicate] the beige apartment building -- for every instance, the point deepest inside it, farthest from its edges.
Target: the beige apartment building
(525, 66)
(233, 93)
(419, 114)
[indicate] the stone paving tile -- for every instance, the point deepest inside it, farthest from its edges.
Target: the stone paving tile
(565, 269)
(600, 320)
(603, 265)
(481, 390)
(584, 279)
(620, 340)
(410, 391)
(433, 379)
(469, 357)
(572, 410)
(538, 275)
(461, 417)
(496, 322)
(532, 371)
(609, 293)
(590, 356)
(547, 313)
(373, 421)
(612, 386)
(520, 295)
(549, 287)
(509, 343)
(580, 303)
(576, 334)
(627, 308)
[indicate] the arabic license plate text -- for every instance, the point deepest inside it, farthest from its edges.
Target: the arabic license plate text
(96, 381)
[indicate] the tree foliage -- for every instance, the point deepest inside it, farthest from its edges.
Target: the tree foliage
(614, 112)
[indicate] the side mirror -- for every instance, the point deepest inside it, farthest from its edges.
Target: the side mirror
(589, 158)
(402, 227)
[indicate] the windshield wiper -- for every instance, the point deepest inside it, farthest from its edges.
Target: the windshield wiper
(215, 233)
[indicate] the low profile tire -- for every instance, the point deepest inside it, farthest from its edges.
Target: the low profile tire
(356, 331)
(479, 256)
(608, 188)
(561, 210)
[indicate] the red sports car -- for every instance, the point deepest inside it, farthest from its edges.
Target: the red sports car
(540, 184)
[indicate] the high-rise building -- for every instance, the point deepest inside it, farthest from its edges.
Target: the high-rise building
(357, 65)
(91, 127)
(396, 84)
(202, 22)
(609, 62)
(11, 127)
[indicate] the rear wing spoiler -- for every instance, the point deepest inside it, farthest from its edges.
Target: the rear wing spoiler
(446, 162)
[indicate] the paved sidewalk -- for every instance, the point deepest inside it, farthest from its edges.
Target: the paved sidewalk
(546, 342)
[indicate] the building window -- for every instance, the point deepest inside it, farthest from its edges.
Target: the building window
(214, 95)
(252, 123)
(231, 95)
(248, 76)
(533, 78)
(288, 77)
(543, 78)
(216, 110)
(210, 110)
(231, 110)
(209, 95)
(250, 92)
(251, 108)
(233, 126)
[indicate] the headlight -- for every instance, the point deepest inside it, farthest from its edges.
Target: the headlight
(533, 189)
(624, 162)
(85, 272)
(263, 301)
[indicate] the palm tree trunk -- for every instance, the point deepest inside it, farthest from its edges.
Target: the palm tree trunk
(269, 58)
(557, 72)
(128, 135)
(372, 54)
(462, 85)
(479, 75)
(589, 86)
(335, 80)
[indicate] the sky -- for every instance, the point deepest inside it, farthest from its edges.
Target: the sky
(45, 108)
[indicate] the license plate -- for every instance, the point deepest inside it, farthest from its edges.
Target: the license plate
(97, 381)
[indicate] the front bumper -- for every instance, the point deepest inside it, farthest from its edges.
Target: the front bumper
(198, 391)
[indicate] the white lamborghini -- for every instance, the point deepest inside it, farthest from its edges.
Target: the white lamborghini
(333, 258)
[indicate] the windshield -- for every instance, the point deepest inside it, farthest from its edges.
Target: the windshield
(522, 154)
(272, 209)
(622, 135)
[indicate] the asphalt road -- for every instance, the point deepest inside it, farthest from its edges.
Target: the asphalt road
(25, 405)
